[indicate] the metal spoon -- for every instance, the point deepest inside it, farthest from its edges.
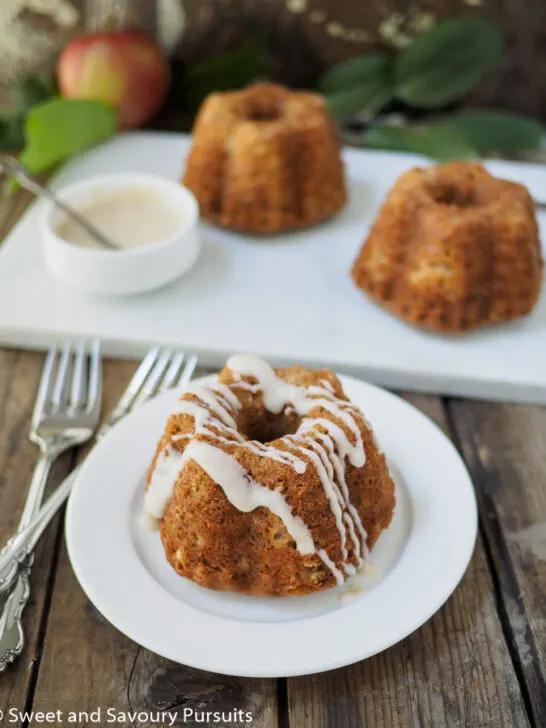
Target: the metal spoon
(10, 166)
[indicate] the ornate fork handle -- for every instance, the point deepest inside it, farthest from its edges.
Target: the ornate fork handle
(11, 632)
(13, 639)
(17, 554)
(24, 542)
(32, 504)
(159, 371)
(16, 560)
(36, 490)
(66, 414)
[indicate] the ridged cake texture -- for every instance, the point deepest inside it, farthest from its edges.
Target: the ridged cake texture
(453, 248)
(269, 482)
(265, 160)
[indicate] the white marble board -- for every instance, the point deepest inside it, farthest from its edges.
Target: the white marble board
(288, 298)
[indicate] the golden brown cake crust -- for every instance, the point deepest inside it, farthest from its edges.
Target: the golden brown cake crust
(211, 542)
(265, 159)
(453, 248)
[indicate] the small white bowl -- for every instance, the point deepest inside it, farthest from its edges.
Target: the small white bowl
(128, 270)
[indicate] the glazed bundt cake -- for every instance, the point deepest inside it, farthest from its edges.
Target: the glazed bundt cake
(268, 482)
(453, 248)
(265, 159)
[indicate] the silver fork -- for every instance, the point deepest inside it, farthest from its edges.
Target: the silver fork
(66, 414)
(159, 371)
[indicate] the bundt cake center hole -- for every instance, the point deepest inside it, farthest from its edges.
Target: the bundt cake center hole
(265, 111)
(451, 194)
(270, 427)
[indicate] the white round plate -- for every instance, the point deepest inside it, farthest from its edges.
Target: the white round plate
(416, 563)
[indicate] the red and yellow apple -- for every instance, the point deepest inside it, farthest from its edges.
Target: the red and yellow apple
(124, 69)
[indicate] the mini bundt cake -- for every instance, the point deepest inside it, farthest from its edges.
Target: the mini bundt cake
(265, 159)
(268, 482)
(453, 248)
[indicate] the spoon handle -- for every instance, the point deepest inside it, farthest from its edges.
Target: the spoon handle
(9, 165)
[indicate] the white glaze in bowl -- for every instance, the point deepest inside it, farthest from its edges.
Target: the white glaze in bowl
(128, 270)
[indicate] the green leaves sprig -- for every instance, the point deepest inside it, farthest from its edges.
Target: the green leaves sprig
(461, 136)
(494, 131)
(437, 141)
(362, 83)
(445, 63)
(438, 68)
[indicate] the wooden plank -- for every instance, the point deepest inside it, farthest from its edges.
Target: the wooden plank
(19, 376)
(455, 671)
(88, 664)
(505, 446)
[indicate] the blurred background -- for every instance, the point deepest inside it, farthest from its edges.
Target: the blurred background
(306, 35)
(497, 65)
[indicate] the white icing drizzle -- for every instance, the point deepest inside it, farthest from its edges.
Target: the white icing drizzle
(212, 399)
(214, 409)
(253, 388)
(331, 565)
(339, 468)
(325, 472)
(167, 468)
(281, 456)
(245, 493)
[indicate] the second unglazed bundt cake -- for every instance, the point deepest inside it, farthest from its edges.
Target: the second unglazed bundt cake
(265, 159)
(269, 482)
(453, 248)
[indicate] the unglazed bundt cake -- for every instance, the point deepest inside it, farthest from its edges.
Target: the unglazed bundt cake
(265, 159)
(268, 482)
(453, 248)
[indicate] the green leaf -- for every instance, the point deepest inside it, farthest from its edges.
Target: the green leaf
(232, 70)
(358, 71)
(497, 131)
(445, 63)
(59, 128)
(370, 98)
(359, 85)
(432, 140)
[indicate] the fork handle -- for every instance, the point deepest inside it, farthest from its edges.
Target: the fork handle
(12, 638)
(37, 486)
(32, 505)
(20, 557)
(23, 543)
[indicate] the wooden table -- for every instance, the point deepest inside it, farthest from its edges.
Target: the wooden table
(479, 662)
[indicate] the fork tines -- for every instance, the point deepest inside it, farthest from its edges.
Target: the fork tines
(160, 370)
(71, 378)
